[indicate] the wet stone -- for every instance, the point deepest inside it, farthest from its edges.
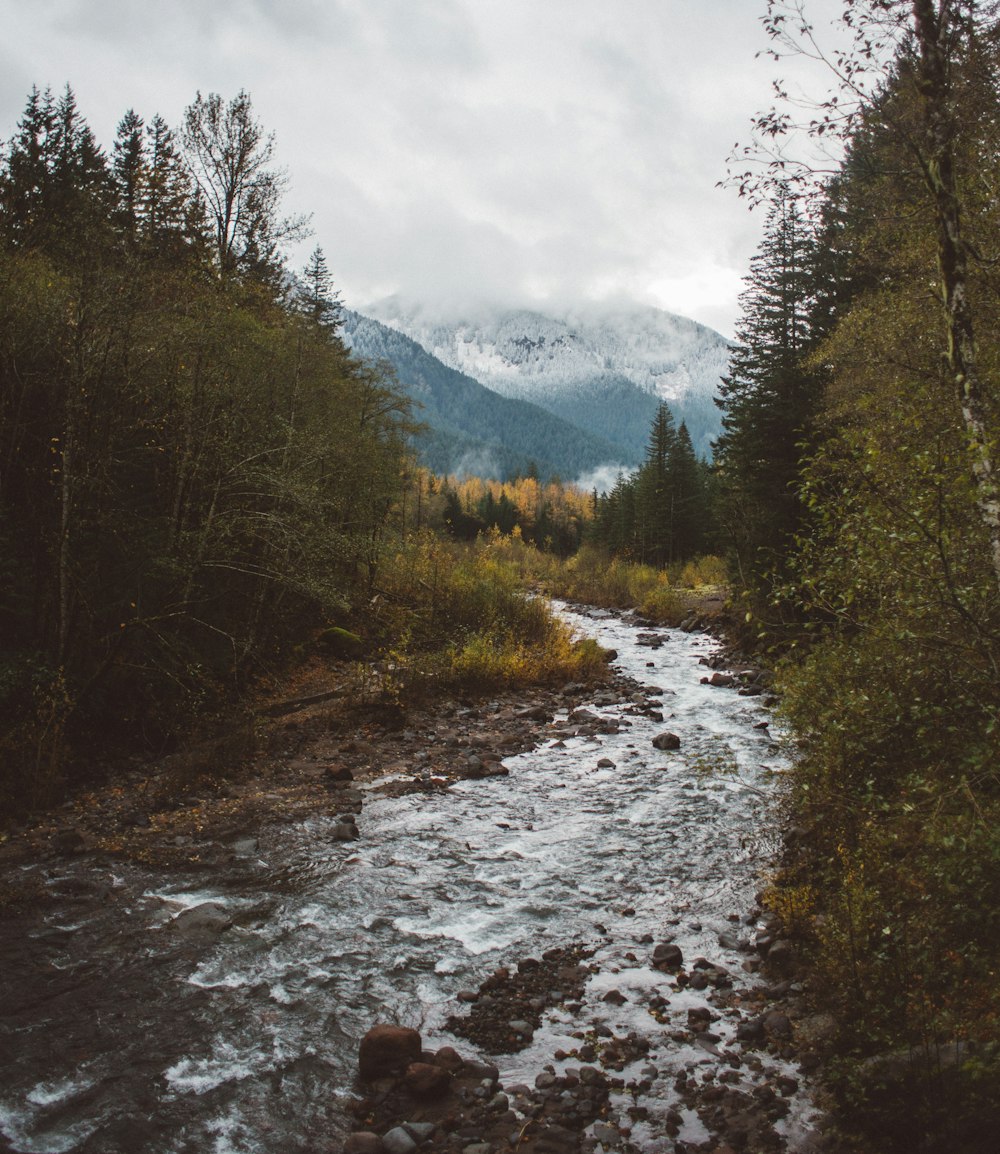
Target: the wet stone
(387, 1048)
(667, 956)
(364, 1142)
(398, 1141)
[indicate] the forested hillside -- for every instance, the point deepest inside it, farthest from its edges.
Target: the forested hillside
(193, 469)
(858, 483)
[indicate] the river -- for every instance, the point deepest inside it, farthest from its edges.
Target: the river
(121, 1036)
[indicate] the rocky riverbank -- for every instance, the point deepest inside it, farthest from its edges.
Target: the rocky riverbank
(734, 1095)
(612, 1038)
(190, 808)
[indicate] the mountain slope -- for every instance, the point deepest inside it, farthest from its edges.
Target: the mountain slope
(634, 355)
(472, 429)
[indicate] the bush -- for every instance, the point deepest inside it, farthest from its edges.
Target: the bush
(460, 615)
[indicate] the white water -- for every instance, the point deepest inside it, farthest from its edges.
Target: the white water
(249, 1043)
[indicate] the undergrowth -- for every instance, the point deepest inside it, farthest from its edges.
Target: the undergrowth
(457, 615)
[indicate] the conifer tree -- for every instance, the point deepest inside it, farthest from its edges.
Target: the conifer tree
(689, 500)
(768, 398)
(129, 173)
(317, 298)
(168, 211)
(25, 185)
(654, 496)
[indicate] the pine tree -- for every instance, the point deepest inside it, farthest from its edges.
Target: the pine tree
(317, 298)
(167, 212)
(768, 398)
(653, 496)
(81, 195)
(25, 185)
(689, 499)
(129, 174)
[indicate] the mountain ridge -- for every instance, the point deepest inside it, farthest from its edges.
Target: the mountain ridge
(555, 358)
(471, 428)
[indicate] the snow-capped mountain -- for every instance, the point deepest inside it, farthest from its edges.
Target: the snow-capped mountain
(470, 428)
(566, 361)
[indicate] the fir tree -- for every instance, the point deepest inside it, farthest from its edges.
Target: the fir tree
(768, 397)
(129, 173)
(317, 298)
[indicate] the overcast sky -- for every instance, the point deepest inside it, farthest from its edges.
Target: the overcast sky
(515, 151)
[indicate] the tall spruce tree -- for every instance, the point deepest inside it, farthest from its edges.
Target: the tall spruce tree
(169, 213)
(317, 298)
(654, 495)
(129, 174)
(768, 397)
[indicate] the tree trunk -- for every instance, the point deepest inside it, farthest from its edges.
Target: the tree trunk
(934, 25)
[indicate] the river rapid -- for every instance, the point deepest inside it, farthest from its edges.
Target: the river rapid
(121, 1034)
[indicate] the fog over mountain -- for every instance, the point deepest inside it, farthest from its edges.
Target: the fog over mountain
(604, 367)
(470, 429)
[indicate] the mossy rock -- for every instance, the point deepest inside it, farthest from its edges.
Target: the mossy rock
(341, 643)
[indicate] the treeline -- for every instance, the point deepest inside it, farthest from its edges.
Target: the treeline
(858, 494)
(662, 513)
(551, 515)
(192, 467)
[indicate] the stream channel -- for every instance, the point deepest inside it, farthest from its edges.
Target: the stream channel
(118, 1036)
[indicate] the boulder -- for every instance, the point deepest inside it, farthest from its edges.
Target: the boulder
(205, 919)
(448, 1058)
(666, 741)
(388, 1049)
(781, 958)
(426, 1082)
(750, 1031)
(667, 956)
(344, 831)
(398, 1141)
(341, 643)
(68, 841)
(778, 1025)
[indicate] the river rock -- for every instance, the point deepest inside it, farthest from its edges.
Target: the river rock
(68, 841)
(448, 1058)
(667, 956)
(778, 1025)
(426, 1082)
(420, 1131)
(751, 1031)
(364, 1142)
(344, 831)
(207, 918)
(666, 741)
(387, 1049)
(534, 713)
(781, 957)
(722, 680)
(398, 1141)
